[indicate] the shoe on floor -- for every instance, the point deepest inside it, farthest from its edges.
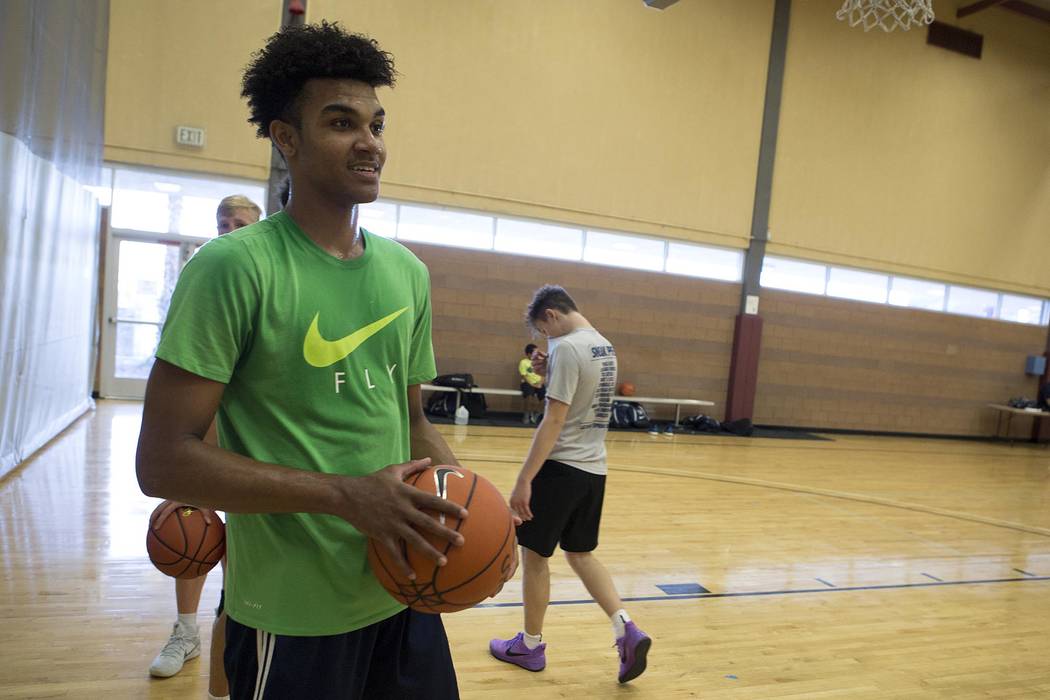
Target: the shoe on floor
(183, 645)
(633, 647)
(514, 651)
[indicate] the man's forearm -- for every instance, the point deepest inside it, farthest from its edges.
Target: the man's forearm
(190, 471)
(427, 442)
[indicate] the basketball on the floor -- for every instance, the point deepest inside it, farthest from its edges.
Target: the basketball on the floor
(184, 546)
(625, 389)
(474, 571)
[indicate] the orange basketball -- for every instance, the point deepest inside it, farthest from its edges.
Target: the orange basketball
(184, 546)
(474, 571)
(625, 389)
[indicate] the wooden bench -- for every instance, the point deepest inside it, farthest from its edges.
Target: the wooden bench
(677, 403)
(477, 389)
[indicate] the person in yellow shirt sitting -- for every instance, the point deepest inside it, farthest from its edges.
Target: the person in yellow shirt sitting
(531, 386)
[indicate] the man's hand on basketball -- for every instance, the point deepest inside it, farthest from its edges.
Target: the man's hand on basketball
(519, 499)
(172, 506)
(384, 507)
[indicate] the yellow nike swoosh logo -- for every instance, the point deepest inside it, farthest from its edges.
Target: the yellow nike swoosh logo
(321, 353)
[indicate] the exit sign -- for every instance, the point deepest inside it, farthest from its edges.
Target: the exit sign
(189, 136)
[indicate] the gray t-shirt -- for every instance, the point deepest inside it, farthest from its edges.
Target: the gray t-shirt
(581, 372)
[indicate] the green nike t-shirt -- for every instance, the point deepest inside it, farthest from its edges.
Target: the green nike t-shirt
(316, 354)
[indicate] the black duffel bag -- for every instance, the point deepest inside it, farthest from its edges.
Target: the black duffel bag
(457, 381)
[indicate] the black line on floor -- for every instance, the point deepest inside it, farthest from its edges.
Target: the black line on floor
(752, 594)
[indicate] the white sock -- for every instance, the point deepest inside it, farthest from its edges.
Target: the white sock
(188, 620)
(619, 620)
(218, 697)
(531, 640)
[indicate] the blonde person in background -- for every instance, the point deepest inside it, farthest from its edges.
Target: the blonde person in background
(234, 212)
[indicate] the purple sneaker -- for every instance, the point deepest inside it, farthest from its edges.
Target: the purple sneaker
(633, 647)
(514, 651)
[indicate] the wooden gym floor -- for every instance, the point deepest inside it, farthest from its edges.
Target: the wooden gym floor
(857, 568)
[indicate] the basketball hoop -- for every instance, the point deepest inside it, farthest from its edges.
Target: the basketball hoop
(886, 14)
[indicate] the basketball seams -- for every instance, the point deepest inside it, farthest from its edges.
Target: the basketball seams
(426, 596)
(448, 545)
(163, 544)
(155, 542)
(492, 561)
(459, 524)
(185, 543)
(208, 555)
(410, 593)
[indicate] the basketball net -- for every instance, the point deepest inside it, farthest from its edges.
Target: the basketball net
(886, 14)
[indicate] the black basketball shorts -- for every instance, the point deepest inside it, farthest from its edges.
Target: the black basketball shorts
(405, 657)
(527, 390)
(566, 510)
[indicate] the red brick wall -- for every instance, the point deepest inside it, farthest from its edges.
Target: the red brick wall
(840, 364)
(825, 363)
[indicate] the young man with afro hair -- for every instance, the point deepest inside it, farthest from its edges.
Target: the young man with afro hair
(309, 338)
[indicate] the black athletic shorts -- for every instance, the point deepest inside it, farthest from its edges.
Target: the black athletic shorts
(566, 509)
(405, 657)
(527, 390)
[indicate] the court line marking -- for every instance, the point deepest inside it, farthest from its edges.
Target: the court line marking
(803, 444)
(755, 594)
(842, 495)
(932, 578)
(780, 486)
(829, 585)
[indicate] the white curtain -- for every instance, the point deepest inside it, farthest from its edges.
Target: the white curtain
(52, 86)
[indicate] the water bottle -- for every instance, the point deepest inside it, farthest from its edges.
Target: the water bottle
(462, 415)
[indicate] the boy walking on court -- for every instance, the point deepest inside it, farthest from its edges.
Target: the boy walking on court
(561, 486)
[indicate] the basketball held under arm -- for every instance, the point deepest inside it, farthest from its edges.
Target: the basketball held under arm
(175, 463)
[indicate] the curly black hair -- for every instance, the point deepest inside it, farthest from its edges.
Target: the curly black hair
(277, 73)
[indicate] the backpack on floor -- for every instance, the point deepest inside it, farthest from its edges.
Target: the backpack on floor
(702, 424)
(441, 404)
(628, 414)
(474, 402)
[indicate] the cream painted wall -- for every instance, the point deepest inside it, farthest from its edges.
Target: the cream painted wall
(900, 156)
(892, 155)
(599, 112)
(173, 63)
